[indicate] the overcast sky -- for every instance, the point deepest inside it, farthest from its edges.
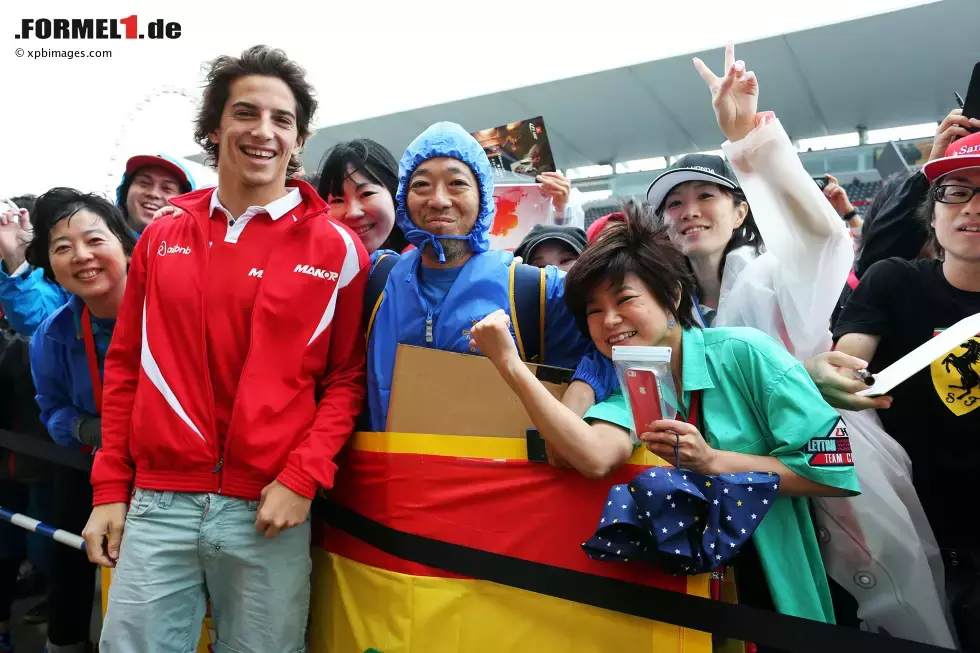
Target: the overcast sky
(75, 122)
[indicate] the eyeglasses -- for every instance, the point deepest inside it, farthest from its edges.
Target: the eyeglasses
(955, 193)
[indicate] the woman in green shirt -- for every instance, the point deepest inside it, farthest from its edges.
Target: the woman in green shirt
(760, 412)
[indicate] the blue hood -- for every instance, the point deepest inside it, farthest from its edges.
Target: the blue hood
(447, 139)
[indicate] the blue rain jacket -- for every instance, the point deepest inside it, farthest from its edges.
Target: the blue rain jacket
(480, 289)
(28, 298)
(61, 376)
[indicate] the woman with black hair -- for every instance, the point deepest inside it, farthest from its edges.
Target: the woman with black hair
(747, 405)
(710, 221)
(779, 269)
(83, 243)
(358, 180)
(766, 247)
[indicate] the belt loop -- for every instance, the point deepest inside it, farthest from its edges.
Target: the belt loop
(166, 498)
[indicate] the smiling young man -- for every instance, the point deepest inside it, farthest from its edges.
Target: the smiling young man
(235, 376)
(435, 294)
(935, 414)
(150, 181)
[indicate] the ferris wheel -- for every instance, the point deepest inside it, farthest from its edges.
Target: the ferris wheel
(140, 133)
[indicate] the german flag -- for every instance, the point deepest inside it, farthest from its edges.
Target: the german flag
(410, 511)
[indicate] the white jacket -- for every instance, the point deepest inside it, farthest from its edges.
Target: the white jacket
(878, 545)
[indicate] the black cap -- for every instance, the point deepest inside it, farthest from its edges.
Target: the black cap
(691, 167)
(541, 233)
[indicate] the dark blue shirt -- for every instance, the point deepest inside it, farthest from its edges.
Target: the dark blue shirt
(435, 284)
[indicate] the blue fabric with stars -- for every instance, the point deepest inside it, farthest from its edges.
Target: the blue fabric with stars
(686, 522)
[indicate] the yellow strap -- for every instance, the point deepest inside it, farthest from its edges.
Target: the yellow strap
(513, 312)
(542, 296)
(377, 305)
(465, 446)
(374, 312)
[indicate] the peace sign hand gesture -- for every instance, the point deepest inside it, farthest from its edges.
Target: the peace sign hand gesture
(735, 97)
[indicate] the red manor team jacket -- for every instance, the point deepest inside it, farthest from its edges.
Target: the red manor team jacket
(302, 385)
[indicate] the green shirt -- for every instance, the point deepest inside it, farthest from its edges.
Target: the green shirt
(757, 399)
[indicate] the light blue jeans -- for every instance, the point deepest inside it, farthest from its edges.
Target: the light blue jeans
(179, 549)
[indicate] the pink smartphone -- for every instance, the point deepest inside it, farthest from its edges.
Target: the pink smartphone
(644, 390)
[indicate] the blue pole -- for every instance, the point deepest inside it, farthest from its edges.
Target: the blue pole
(33, 525)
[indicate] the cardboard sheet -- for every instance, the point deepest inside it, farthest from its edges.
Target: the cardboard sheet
(447, 393)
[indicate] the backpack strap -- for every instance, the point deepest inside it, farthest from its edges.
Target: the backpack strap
(527, 309)
(375, 291)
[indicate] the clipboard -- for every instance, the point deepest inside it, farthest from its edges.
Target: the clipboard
(923, 356)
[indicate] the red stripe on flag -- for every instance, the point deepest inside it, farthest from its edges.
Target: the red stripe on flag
(526, 510)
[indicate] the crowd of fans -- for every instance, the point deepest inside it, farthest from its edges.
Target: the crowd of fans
(215, 348)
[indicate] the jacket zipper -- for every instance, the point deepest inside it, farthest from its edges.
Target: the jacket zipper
(204, 345)
(258, 293)
(429, 319)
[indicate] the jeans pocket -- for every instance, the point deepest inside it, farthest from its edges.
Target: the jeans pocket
(253, 506)
(142, 501)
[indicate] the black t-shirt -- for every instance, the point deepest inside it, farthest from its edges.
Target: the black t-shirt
(936, 413)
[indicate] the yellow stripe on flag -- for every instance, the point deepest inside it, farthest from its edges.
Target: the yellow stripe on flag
(466, 446)
(356, 607)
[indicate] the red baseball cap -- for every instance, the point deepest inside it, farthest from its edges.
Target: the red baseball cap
(600, 223)
(962, 153)
(158, 161)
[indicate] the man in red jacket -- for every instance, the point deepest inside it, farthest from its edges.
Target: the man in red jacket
(234, 377)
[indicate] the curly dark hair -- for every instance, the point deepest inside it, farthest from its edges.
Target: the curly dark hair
(62, 203)
(637, 246)
(257, 60)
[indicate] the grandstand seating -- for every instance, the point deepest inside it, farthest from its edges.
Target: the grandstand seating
(862, 193)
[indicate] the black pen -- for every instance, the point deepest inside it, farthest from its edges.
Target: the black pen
(865, 377)
(959, 100)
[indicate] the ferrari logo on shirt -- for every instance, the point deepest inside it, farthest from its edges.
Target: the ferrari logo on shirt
(832, 450)
(956, 376)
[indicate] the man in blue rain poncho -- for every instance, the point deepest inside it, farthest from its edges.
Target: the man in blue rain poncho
(437, 292)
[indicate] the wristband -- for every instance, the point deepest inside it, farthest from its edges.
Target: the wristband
(88, 430)
(853, 213)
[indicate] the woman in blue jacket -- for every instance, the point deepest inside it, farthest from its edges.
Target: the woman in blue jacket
(27, 296)
(81, 242)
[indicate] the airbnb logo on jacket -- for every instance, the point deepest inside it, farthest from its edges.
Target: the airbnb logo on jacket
(160, 430)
